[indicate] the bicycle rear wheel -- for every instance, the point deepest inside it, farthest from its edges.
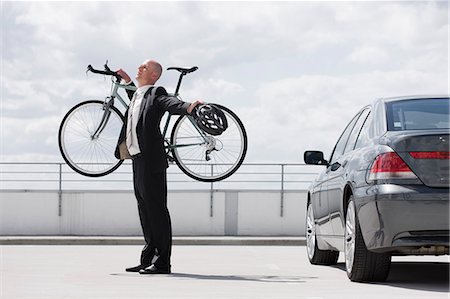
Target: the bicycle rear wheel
(85, 154)
(227, 151)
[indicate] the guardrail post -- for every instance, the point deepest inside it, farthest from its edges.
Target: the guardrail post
(211, 191)
(282, 191)
(60, 191)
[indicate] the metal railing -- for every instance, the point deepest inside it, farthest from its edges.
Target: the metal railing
(58, 176)
(271, 177)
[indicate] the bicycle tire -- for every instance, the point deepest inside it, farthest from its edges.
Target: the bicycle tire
(76, 145)
(203, 170)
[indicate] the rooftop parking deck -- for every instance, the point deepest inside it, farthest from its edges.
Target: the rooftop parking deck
(205, 271)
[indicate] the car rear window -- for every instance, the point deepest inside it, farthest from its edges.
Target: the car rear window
(418, 114)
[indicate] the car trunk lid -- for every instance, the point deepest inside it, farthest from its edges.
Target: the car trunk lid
(426, 153)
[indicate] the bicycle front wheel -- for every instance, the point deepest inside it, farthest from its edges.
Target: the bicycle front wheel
(85, 153)
(205, 157)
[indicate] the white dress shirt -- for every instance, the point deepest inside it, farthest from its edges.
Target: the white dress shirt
(133, 117)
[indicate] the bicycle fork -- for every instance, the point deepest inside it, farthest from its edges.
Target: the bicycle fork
(105, 118)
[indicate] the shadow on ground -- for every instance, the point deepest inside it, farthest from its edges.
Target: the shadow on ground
(254, 278)
(416, 275)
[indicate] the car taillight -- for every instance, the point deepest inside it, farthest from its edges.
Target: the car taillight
(430, 155)
(390, 166)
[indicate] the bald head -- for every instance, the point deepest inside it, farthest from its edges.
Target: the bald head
(148, 72)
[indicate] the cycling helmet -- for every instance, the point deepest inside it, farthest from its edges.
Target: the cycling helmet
(211, 119)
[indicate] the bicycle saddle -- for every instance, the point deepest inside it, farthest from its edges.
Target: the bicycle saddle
(184, 70)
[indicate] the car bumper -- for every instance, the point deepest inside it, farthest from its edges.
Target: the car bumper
(399, 219)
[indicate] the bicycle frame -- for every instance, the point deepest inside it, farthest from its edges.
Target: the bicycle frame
(115, 95)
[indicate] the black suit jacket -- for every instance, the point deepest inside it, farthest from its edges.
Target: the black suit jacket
(151, 141)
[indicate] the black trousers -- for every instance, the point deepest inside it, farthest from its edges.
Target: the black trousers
(151, 193)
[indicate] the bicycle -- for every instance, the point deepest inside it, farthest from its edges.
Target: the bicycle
(89, 132)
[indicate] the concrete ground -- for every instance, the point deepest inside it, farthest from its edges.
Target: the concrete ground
(204, 271)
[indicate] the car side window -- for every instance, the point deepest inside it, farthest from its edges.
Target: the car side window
(355, 132)
(340, 145)
(364, 135)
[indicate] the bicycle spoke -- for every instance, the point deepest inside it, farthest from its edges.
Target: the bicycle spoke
(227, 150)
(90, 156)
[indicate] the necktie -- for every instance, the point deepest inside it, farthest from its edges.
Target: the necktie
(130, 122)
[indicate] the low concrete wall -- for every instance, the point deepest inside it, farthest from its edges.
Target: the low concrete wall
(114, 213)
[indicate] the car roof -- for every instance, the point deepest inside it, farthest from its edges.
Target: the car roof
(411, 97)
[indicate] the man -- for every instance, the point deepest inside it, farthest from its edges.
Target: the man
(141, 139)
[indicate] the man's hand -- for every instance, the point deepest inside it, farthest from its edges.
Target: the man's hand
(193, 104)
(124, 75)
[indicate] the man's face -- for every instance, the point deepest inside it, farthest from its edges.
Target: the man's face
(145, 74)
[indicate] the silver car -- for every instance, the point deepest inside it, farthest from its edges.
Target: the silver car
(384, 190)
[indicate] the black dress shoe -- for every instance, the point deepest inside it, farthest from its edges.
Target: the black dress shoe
(137, 268)
(155, 270)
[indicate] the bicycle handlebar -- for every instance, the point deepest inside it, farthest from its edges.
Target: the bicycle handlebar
(107, 72)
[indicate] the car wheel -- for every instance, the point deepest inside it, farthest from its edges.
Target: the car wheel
(315, 255)
(360, 263)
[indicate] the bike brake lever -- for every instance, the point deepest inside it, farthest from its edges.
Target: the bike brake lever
(118, 77)
(89, 68)
(106, 67)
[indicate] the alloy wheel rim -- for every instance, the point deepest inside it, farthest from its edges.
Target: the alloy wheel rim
(350, 225)
(310, 233)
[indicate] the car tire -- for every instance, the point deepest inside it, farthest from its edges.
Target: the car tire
(315, 255)
(361, 264)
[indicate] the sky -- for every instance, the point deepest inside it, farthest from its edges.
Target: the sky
(294, 72)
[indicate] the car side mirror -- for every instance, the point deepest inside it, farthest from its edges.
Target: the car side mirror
(315, 158)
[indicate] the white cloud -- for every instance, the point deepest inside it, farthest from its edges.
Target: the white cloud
(310, 112)
(295, 72)
(213, 88)
(369, 55)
